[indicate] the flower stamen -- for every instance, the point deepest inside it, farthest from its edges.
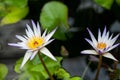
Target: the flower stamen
(35, 42)
(101, 45)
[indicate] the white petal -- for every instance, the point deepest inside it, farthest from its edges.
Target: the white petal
(109, 55)
(104, 33)
(114, 39)
(29, 29)
(92, 37)
(99, 35)
(106, 37)
(38, 28)
(28, 33)
(43, 35)
(111, 37)
(47, 53)
(21, 38)
(35, 29)
(48, 42)
(26, 37)
(14, 44)
(33, 55)
(50, 35)
(26, 57)
(89, 52)
(108, 42)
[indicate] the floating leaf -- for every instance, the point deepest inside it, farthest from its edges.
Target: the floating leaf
(31, 76)
(12, 11)
(54, 14)
(3, 71)
(36, 71)
(75, 78)
(62, 74)
(51, 65)
(15, 15)
(105, 3)
(16, 3)
(2, 10)
(118, 2)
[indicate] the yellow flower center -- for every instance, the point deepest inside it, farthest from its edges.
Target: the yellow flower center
(101, 45)
(35, 42)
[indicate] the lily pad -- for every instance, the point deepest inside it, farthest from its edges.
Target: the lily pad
(55, 14)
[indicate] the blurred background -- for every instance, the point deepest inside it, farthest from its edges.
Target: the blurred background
(72, 18)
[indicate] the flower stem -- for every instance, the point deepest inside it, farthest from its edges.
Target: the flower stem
(85, 70)
(40, 57)
(98, 68)
(115, 68)
(115, 65)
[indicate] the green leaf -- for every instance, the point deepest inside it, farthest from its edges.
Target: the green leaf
(3, 71)
(33, 71)
(26, 67)
(118, 2)
(36, 60)
(2, 10)
(14, 15)
(105, 3)
(62, 74)
(31, 76)
(51, 65)
(75, 78)
(16, 3)
(55, 14)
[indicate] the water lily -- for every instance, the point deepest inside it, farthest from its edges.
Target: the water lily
(34, 42)
(103, 45)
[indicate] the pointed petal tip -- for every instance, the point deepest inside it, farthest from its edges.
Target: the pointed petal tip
(32, 21)
(88, 29)
(110, 56)
(105, 27)
(83, 52)
(20, 68)
(46, 52)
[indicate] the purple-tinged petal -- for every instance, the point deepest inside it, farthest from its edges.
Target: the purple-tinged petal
(109, 55)
(33, 24)
(112, 47)
(92, 37)
(114, 39)
(93, 58)
(14, 44)
(90, 42)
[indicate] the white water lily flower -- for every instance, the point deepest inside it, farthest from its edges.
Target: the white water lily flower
(101, 46)
(33, 41)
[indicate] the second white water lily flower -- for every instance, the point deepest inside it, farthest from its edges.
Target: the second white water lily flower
(103, 45)
(34, 42)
